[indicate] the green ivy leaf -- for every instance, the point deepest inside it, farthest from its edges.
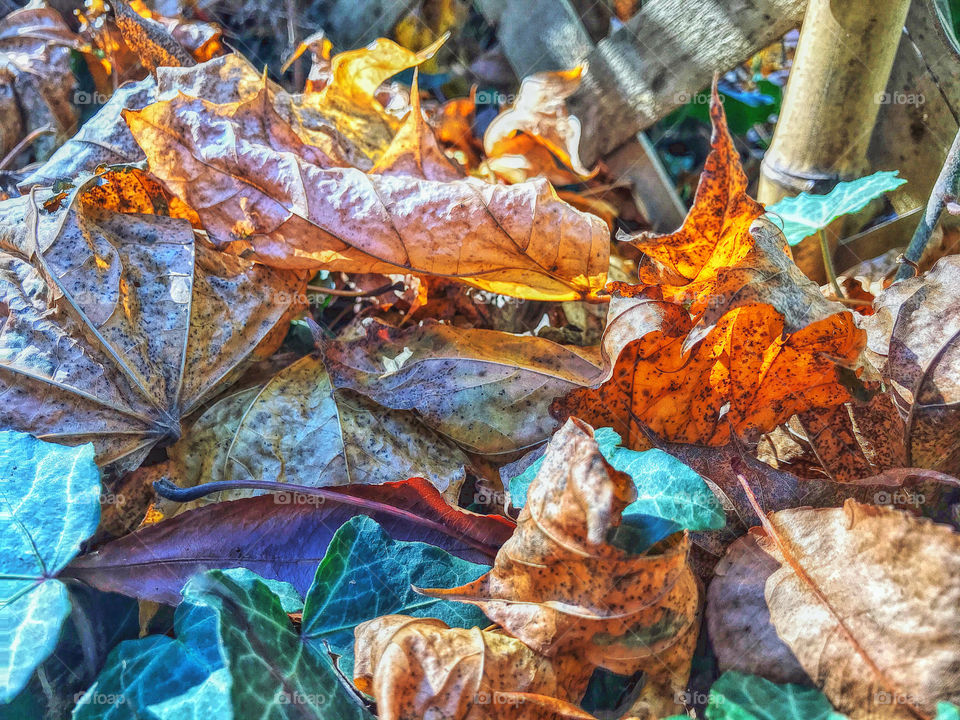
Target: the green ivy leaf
(366, 574)
(142, 676)
(670, 495)
(274, 675)
(805, 214)
(49, 504)
(735, 696)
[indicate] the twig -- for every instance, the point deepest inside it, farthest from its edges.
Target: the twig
(23, 144)
(356, 293)
(828, 263)
(947, 186)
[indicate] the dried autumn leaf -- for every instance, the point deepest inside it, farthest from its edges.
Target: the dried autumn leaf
(563, 585)
(35, 46)
(417, 668)
(268, 194)
(414, 150)
(866, 599)
(914, 338)
(118, 324)
(724, 332)
(151, 41)
(281, 536)
(298, 428)
(489, 391)
(539, 114)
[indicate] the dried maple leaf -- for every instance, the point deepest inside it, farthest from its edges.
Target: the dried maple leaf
(118, 324)
(151, 41)
(562, 585)
(914, 338)
(270, 195)
(487, 390)
(724, 332)
(865, 598)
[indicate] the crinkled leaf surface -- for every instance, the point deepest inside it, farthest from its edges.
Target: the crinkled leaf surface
(49, 504)
(914, 338)
(805, 214)
(419, 668)
(120, 323)
(261, 190)
(297, 428)
(564, 589)
(866, 599)
(366, 574)
(670, 496)
(489, 391)
(282, 536)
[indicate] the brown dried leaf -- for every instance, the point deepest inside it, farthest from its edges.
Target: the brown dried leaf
(914, 338)
(119, 324)
(418, 668)
(275, 198)
(866, 599)
(35, 45)
(489, 391)
(150, 40)
(298, 428)
(564, 586)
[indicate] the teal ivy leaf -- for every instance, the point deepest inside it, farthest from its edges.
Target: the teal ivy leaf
(735, 696)
(273, 673)
(208, 670)
(805, 214)
(141, 676)
(49, 504)
(366, 574)
(670, 495)
(947, 711)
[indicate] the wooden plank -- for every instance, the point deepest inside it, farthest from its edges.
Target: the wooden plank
(666, 53)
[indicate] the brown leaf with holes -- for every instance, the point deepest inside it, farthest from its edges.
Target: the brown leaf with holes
(724, 333)
(563, 584)
(417, 668)
(119, 322)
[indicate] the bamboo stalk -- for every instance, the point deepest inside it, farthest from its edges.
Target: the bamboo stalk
(834, 93)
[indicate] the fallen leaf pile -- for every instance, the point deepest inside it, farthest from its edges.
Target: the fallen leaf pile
(335, 398)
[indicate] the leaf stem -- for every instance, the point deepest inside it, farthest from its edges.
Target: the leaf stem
(828, 263)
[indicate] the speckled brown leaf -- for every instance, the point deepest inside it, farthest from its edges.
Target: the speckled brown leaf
(562, 585)
(263, 192)
(866, 599)
(724, 333)
(119, 324)
(297, 428)
(418, 668)
(914, 338)
(151, 41)
(489, 391)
